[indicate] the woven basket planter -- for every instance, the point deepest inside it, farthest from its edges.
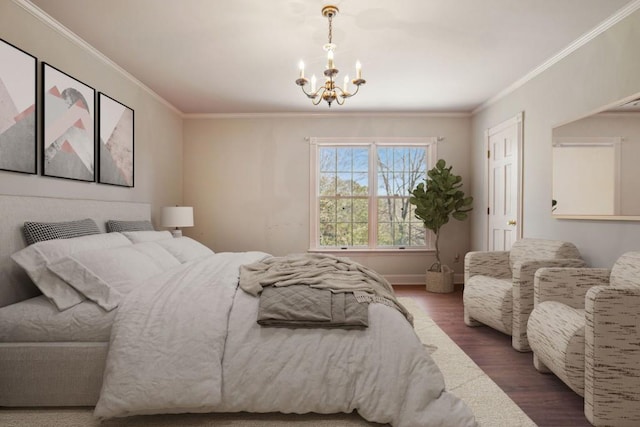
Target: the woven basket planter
(440, 281)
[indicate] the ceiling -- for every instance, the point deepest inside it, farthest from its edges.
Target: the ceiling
(241, 56)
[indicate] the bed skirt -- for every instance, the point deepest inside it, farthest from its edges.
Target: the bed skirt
(51, 374)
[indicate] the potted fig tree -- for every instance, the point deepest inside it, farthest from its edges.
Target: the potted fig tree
(437, 200)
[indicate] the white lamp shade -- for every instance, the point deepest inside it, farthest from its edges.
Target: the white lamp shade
(177, 216)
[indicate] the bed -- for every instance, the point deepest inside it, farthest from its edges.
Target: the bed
(179, 335)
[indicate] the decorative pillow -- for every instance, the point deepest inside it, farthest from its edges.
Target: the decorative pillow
(106, 275)
(184, 248)
(147, 236)
(120, 226)
(34, 260)
(41, 231)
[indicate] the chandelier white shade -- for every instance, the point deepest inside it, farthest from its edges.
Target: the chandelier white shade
(329, 91)
(177, 216)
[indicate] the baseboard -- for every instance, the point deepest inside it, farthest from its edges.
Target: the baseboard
(417, 279)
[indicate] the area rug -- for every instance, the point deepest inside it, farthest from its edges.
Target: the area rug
(492, 407)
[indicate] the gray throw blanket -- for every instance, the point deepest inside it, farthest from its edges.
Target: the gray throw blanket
(320, 271)
(301, 306)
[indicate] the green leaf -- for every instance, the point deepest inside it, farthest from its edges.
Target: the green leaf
(440, 198)
(460, 216)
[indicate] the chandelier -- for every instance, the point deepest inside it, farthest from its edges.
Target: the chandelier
(330, 91)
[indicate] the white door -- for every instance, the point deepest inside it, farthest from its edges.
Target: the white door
(504, 168)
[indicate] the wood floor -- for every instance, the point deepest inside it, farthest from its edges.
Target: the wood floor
(543, 397)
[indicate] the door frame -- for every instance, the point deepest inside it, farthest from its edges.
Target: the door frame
(517, 120)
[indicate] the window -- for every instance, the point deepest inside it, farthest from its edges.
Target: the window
(360, 192)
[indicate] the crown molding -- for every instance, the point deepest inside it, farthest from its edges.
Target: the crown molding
(584, 39)
(453, 114)
(73, 37)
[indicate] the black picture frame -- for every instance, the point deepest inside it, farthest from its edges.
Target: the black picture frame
(18, 110)
(68, 130)
(116, 142)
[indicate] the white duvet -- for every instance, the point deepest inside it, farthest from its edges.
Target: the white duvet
(188, 341)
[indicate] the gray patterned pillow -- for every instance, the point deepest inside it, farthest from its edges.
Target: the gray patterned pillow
(39, 231)
(120, 226)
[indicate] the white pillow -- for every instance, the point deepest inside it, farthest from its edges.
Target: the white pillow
(35, 258)
(185, 249)
(106, 275)
(147, 235)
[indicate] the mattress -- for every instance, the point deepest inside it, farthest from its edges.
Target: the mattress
(37, 320)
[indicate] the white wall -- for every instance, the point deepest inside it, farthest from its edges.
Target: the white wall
(599, 73)
(248, 180)
(158, 127)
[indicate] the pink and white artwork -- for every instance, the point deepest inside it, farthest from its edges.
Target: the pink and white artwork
(116, 143)
(17, 109)
(68, 135)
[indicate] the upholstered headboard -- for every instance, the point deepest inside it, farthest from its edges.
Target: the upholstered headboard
(15, 285)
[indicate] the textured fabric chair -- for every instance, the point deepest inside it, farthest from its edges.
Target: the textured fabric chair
(498, 285)
(585, 328)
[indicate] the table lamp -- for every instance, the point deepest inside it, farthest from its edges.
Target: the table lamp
(177, 216)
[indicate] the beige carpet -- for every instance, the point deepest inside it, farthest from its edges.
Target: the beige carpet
(492, 407)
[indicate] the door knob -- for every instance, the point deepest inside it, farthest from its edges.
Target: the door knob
(512, 222)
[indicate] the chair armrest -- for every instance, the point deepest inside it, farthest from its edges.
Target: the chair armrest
(567, 285)
(523, 272)
(487, 263)
(612, 352)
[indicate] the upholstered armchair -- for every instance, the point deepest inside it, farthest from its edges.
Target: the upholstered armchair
(498, 285)
(585, 328)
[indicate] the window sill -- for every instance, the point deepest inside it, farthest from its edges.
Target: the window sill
(370, 251)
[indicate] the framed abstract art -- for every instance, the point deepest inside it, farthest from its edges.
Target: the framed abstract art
(68, 137)
(115, 142)
(18, 110)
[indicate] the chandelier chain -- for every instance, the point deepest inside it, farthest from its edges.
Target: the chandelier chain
(330, 28)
